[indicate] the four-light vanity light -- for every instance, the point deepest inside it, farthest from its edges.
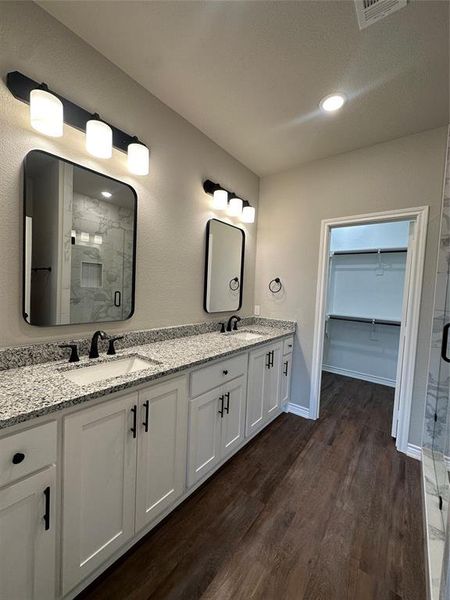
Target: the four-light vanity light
(228, 201)
(49, 112)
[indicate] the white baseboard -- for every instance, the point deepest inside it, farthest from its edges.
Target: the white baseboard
(298, 410)
(414, 451)
(358, 375)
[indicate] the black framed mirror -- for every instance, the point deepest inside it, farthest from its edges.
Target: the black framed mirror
(224, 267)
(79, 231)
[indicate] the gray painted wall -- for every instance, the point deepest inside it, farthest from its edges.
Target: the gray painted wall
(403, 173)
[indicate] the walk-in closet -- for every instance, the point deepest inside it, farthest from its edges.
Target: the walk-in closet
(367, 269)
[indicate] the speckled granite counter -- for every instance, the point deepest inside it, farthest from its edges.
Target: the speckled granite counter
(39, 389)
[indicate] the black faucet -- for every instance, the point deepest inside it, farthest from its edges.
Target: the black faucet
(230, 325)
(93, 352)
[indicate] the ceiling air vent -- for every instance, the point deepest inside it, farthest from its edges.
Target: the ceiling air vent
(371, 11)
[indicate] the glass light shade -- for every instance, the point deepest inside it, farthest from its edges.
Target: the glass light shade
(248, 214)
(46, 113)
(235, 207)
(138, 159)
(98, 139)
(220, 199)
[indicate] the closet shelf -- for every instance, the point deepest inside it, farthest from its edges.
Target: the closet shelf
(368, 251)
(373, 321)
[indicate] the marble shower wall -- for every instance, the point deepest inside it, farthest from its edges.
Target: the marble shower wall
(437, 402)
(114, 256)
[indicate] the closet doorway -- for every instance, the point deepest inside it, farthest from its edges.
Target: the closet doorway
(367, 309)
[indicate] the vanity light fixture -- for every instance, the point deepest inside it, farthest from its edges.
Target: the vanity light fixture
(98, 137)
(235, 207)
(332, 102)
(106, 194)
(224, 199)
(84, 236)
(98, 239)
(138, 158)
(248, 213)
(49, 111)
(46, 112)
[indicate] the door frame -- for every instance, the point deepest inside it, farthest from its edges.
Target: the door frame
(410, 318)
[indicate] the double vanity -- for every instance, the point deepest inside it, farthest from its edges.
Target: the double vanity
(93, 454)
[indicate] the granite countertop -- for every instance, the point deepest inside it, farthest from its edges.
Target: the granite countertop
(32, 391)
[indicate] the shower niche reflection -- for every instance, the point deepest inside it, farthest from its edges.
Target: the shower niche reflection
(79, 244)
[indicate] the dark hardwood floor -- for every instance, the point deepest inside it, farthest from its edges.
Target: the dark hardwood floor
(323, 510)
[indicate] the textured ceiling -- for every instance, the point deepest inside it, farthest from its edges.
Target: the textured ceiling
(250, 74)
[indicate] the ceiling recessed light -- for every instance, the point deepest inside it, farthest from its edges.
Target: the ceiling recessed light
(106, 194)
(332, 102)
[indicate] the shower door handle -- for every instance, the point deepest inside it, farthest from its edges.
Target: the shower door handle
(445, 343)
(117, 298)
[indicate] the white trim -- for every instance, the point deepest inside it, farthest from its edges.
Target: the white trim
(407, 353)
(296, 409)
(358, 375)
(414, 451)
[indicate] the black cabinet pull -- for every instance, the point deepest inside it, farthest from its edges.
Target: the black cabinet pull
(268, 360)
(225, 371)
(227, 406)
(117, 298)
(285, 372)
(134, 428)
(18, 458)
(445, 343)
(147, 409)
(271, 359)
(221, 406)
(46, 516)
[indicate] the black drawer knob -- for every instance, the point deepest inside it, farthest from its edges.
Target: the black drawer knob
(18, 458)
(225, 372)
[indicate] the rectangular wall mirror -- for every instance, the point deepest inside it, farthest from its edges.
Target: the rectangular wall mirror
(225, 246)
(79, 244)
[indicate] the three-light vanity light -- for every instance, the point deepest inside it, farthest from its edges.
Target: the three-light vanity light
(228, 201)
(49, 112)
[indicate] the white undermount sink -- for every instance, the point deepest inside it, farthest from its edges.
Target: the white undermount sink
(245, 336)
(109, 369)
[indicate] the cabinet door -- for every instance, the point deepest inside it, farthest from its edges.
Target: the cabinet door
(272, 383)
(162, 440)
(204, 434)
(285, 385)
(27, 538)
(258, 370)
(233, 415)
(99, 485)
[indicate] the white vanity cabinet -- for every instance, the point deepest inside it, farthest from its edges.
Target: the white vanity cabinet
(27, 514)
(217, 416)
(263, 393)
(286, 372)
(161, 463)
(98, 485)
(124, 464)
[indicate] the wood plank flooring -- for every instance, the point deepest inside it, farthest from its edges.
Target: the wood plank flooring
(323, 510)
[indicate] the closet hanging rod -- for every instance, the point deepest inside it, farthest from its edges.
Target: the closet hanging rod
(365, 320)
(371, 251)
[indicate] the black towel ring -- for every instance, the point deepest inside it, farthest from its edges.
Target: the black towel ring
(275, 285)
(234, 284)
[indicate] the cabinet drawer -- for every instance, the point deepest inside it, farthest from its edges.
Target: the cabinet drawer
(26, 452)
(288, 345)
(213, 375)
